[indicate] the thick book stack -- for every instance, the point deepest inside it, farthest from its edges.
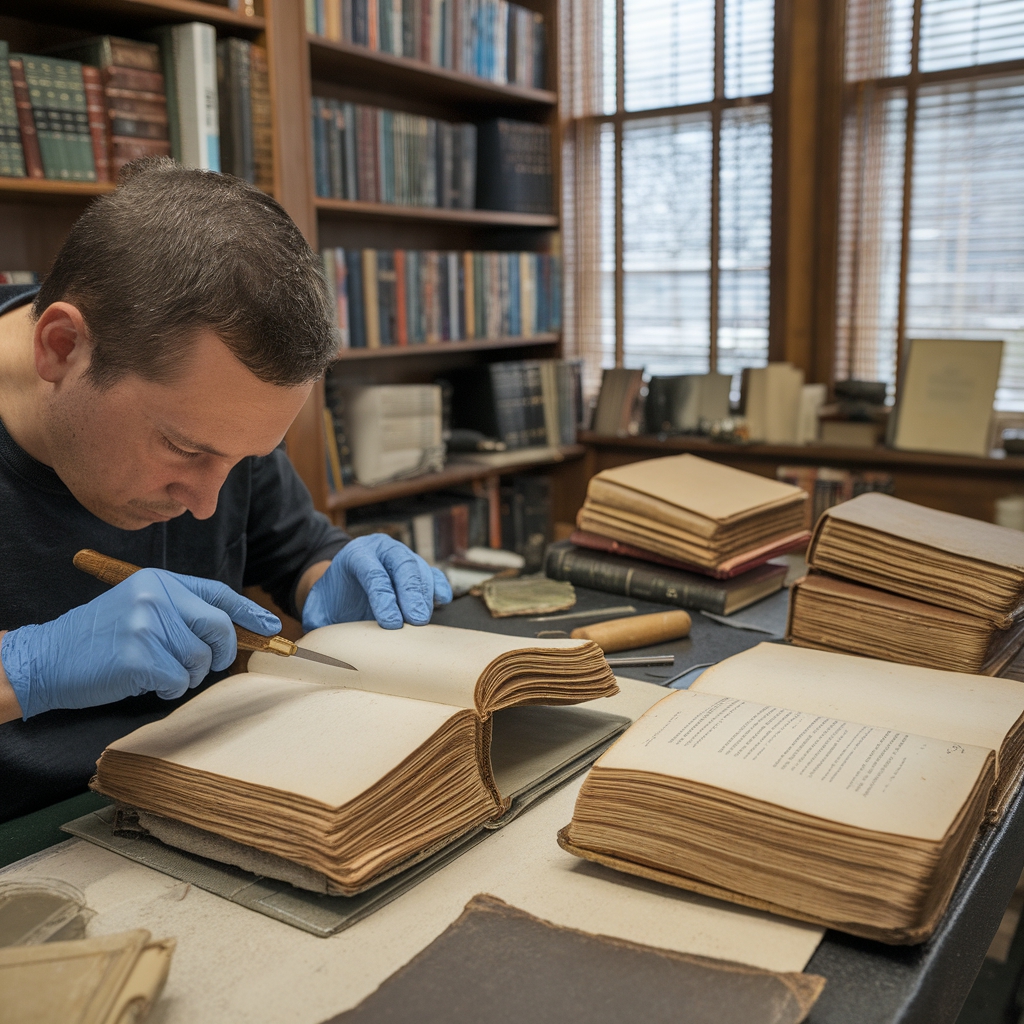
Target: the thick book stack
(827, 487)
(894, 580)
(666, 529)
(492, 39)
(435, 526)
(410, 297)
(386, 156)
(525, 403)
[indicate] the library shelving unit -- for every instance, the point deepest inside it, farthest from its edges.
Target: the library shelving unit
(35, 215)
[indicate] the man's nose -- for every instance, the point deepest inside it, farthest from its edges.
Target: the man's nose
(199, 493)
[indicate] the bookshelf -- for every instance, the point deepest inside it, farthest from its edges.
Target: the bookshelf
(35, 216)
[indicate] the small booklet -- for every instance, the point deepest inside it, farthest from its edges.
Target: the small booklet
(837, 790)
(356, 775)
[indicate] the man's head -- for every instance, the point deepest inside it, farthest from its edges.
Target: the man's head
(179, 330)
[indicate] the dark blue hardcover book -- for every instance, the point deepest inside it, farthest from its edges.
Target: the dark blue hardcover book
(360, 22)
(515, 320)
(356, 310)
(555, 310)
(320, 159)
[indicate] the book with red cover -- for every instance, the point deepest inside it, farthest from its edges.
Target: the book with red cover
(741, 563)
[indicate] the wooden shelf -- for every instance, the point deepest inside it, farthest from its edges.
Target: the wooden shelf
(391, 211)
(445, 347)
(48, 189)
(86, 15)
(812, 454)
(401, 76)
(356, 495)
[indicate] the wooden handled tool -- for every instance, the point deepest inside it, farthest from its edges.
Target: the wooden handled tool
(636, 631)
(114, 571)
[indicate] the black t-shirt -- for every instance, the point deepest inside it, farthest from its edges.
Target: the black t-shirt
(265, 531)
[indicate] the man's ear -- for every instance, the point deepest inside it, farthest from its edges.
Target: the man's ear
(61, 343)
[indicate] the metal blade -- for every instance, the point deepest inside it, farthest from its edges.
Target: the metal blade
(301, 652)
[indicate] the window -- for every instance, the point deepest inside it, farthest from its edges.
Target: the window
(668, 174)
(931, 200)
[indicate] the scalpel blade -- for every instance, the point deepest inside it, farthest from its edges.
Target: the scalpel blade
(302, 652)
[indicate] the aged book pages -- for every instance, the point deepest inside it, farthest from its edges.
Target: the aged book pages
(111, 979)
(862, 776)
(944, 559)
(837, 615)
(707, 489)
(347, 781)
(973, 710)
(806, 800)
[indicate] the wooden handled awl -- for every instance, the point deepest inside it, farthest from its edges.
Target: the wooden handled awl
(636, 631)
(114, 571)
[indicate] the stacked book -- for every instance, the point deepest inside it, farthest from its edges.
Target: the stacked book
(894, 580)
(92, 106)
(388, 297)
(386, 156)
(685, 531)
(492, 39)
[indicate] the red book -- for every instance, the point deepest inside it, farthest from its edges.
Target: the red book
(96, 105)
(26, 121)
(401, 312)
(740, 563)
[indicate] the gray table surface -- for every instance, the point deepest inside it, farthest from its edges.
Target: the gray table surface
(867, 982)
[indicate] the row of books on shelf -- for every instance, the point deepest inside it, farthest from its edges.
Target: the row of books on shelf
(378, 433)
(373, 155)
(501, 42)
(827, 487)
(386, 156)
(84, 110)
(410, 297)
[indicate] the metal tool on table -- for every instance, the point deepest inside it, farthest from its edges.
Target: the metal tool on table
(114, 571)
(636, 631)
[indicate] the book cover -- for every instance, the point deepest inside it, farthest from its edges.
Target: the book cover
(26, 120)
(195, 77)
(356, 298)
(99, 130)
(262, 124)
(371, 299)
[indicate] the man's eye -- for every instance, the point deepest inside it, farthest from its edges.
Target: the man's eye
(180, 451)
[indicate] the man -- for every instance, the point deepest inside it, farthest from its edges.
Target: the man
(144, 394)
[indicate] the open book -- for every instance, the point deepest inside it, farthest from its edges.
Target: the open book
(355, 775)
(692, 510)
(834, 789)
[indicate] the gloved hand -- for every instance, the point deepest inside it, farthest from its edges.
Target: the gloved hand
(376, 577)
(157, 630)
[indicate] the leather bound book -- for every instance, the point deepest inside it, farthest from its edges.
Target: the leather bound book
(500, 964)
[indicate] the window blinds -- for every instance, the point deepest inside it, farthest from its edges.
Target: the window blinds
(961, 98)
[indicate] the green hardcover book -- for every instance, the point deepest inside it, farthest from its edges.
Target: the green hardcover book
(165, 40)
(12, 158)
(61, 115)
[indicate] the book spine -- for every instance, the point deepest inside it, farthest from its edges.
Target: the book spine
(371, 307)
(341, 297)
(630, 579)
(321, 168)
(401, 302)
(349, 141)
(196, 76)
(243, 70)
(262, 125)
(131, 78)
(386, 291)
(332, 142)
(96, 108)
(356, 315)
(12, 156)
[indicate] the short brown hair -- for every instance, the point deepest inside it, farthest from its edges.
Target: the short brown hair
(173, 251)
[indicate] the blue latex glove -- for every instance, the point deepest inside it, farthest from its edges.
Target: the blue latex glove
(157, 631)
(376, 577)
